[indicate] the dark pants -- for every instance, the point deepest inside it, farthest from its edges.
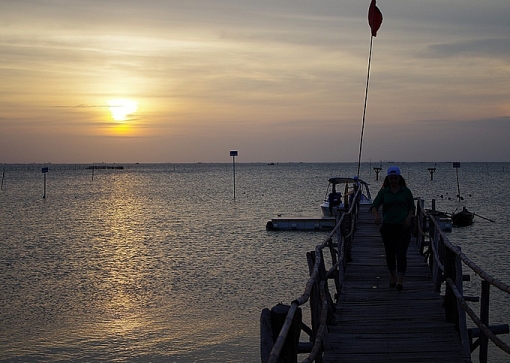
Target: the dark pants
(396, 240)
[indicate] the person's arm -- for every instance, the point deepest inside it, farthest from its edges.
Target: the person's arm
(407, 221)
(375, 213)
(374, 208)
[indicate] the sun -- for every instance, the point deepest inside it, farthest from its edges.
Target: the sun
(121, 108)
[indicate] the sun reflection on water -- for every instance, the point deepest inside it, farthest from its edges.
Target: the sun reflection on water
(135, 265)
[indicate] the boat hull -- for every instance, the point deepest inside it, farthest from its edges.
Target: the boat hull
(463, 219)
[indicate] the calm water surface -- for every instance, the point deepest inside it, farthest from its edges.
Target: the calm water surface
(159, 263)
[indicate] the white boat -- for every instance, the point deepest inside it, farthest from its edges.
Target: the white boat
(340, 193)
(327, 220)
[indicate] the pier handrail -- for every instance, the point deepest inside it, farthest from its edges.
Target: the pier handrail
(445, 260)
(486, 330)
(473, 266)
(339, 262)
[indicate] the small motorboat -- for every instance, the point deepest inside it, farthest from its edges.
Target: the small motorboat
(335, 202)
(462, 218)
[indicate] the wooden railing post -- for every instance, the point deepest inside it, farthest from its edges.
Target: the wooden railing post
(341, 258)
(315, 301)
(419, 225)
(277, 317)
(484, 317)
(267, 338)
(334, 258)
(345, 228)
(461, 313)
(450, 301)
(437, 273)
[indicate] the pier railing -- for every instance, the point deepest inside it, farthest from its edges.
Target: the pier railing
(280, 327)
(446, 261)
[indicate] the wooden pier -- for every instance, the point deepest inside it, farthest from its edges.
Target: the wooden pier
(356, 317)
(375, 323)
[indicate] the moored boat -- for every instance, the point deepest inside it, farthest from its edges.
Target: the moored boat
(334, 202)
(462, 218)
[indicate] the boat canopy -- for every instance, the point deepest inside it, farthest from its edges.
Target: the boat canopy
(343, 180)
(351, 180)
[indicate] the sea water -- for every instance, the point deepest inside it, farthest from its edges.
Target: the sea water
(160, 263)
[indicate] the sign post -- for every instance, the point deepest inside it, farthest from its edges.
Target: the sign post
(44, 171)
(431, 171)
(456, 165)
(233, 153)
(377, 170)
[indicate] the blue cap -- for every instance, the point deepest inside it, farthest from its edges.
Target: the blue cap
(393, 170)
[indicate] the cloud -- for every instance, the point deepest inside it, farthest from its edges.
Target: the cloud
(278, 76)
(486, 48)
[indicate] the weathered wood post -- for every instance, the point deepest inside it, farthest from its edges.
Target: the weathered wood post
(266, 335)
(334, 258)
(276, 319)
(315, 296)
(450, 303)
(44, 171)
(341, 258)
(421, 221)
(234, 153)
(315, 301)
(484, 317)
(437, 274)
(461, 313)
(345, 228)
(456, 165)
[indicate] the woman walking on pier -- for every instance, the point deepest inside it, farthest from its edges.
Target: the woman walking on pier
(397, 208)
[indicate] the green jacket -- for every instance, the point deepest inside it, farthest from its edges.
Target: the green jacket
(395, 206)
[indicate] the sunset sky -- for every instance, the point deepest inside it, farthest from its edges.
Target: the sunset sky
(87, 81)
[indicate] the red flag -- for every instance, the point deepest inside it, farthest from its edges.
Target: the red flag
(374, 18)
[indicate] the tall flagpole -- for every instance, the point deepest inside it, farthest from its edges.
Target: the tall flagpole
(365, 106)
(374, 21)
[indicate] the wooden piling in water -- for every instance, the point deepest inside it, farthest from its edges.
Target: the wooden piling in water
(272, 322)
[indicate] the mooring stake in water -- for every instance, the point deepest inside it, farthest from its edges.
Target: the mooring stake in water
(233, 153)
(456, 165)
(44, 171)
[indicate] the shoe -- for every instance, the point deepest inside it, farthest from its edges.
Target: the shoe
(393, 279)
(399, 287)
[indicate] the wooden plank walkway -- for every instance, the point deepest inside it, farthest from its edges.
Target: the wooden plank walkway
(376, 323)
